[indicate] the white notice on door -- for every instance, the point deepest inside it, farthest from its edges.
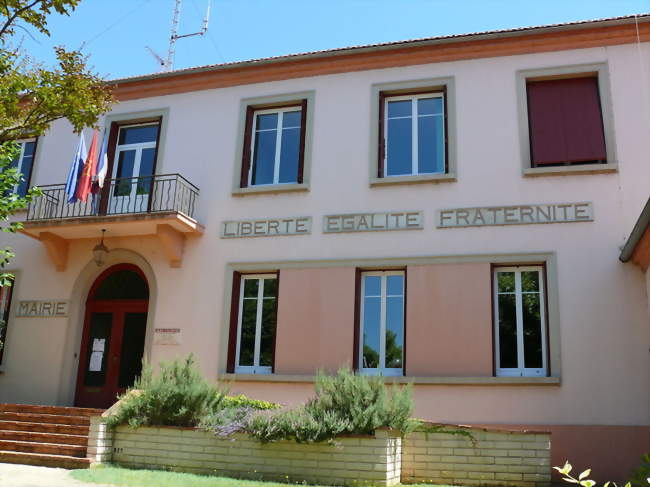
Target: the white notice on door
(98, 344)
(95, 362)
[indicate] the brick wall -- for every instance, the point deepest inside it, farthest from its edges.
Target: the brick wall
(489, 458)
(494, 458)
(352, 461)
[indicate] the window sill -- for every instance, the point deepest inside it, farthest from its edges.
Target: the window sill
(571, 170)
(420, 178)
(462, 381)
(276, 188)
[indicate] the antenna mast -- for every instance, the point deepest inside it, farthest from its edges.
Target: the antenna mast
(168, 64)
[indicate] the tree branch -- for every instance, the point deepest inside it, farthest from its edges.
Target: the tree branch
(10, 19)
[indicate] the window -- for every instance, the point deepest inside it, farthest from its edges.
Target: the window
(256, 320)
(274, 146)
(520, 321)
(24, 163)
(381, 344)
(413, 135)
(135, 157)
(565, 122)
(5, 303)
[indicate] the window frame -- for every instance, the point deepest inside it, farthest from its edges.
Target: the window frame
(521, 370)
(28, 180)
(598, 70)
(385, 99)
(138, 147)
(255, 368)
(6, 314)
(244, 148)
(378, 93)
(382, 370)
(249, 166)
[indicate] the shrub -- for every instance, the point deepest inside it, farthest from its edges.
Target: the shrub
(344, 404)
(641, 476)
(242, 401)
(177, 396)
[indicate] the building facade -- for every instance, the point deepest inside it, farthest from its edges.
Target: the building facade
(447, 212)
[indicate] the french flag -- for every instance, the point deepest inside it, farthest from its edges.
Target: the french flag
(102, 163)
(76, 170)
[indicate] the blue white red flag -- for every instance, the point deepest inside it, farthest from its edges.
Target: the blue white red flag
(76, 170)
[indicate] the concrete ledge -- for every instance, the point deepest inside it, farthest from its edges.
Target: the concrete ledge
(571, 170)
(466, 381)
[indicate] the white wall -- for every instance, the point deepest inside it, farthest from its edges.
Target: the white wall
(604, 325)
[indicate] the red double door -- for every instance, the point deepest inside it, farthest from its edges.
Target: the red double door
(111, 352)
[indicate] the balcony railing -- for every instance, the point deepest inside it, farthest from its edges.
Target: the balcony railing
(119, 196)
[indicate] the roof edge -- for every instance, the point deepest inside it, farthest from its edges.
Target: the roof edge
(637, 233)
(495, 34)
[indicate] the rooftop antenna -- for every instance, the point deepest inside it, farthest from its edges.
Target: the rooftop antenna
(168, 64)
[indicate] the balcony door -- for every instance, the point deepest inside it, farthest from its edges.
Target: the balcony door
(133, 168)
(113, 338)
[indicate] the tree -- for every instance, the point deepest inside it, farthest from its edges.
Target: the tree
(33, 96)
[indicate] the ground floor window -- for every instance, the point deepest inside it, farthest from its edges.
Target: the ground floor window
(258, 295)
(381, 347)
(5, 302)
(520, 321)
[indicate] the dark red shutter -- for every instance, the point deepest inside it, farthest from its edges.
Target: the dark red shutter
(357, 319)
(565, 121)
(303, 130)
(246, 153)
(234, 318)
(381, 149)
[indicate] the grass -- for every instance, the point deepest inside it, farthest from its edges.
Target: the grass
(155, 478)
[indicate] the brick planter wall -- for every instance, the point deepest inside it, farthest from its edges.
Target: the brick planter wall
(362, 460)
(494, 458)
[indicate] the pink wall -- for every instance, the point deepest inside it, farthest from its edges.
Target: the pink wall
(449, 325)
(315, 320)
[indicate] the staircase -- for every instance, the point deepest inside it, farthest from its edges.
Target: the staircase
(49, 436)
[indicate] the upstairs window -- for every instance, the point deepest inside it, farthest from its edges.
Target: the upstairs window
(413, 135)
(24, 163)
(565, 122)
(381, 344)
(256, 323)
(274, 146)
(520, 321)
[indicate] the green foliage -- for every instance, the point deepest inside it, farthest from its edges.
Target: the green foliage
(344, 404)
(641, 476)
(32, 12)
(32, 97)
(584, 481)
(242, 401)
(177, 396)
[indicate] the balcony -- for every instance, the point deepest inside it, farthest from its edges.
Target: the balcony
(159, 205)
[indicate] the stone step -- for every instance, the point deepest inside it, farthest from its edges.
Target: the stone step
(46, 448)
(56, 410)
(60, 461)
(63, 429)
(44, 418)
(61, 439)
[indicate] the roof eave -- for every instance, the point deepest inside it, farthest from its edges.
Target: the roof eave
(637, 233)
(521, 32)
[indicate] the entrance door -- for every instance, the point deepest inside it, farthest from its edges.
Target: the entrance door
(133, 168)
(113, 338)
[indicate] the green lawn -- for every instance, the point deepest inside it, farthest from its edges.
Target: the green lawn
(155, 478)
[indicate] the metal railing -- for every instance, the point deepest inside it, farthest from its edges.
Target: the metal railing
(119, 196)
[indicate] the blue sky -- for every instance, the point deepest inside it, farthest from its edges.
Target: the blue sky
(115, 32)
